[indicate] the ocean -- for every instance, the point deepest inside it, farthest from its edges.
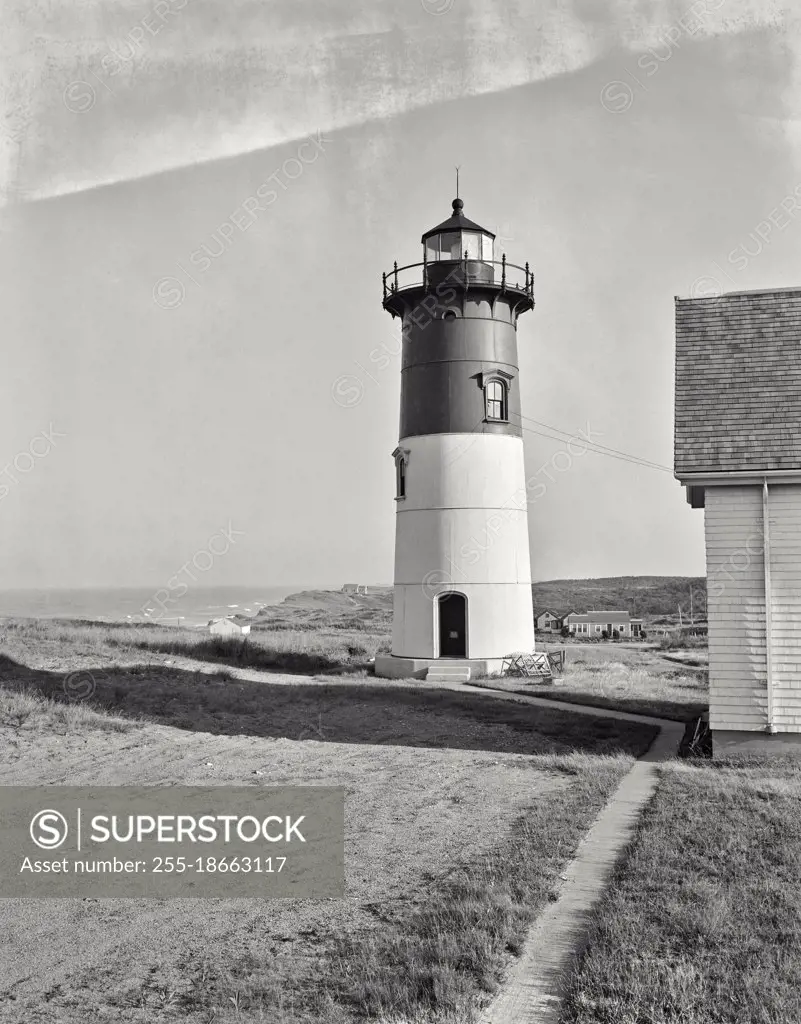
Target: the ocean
(139, 604)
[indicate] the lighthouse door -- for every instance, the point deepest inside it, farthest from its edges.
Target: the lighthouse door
(452, 626)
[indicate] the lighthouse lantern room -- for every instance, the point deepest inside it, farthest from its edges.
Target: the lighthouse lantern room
(462, 592)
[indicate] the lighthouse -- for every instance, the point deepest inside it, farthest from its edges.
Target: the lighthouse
(462, 589)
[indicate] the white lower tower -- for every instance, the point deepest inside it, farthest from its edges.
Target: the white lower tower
(462, 592)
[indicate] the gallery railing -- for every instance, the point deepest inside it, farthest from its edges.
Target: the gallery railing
(464, 272)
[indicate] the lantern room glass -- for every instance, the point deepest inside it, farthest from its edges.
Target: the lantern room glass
(452, 245)
(471, 244)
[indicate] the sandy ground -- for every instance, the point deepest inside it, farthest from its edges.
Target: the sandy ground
(134, 960)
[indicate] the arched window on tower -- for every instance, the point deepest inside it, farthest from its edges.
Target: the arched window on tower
(401, 457)
(495, 400)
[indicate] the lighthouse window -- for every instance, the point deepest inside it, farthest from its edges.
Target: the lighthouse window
(451, 245)
(471, 244)
(495, 400)
(401, 457)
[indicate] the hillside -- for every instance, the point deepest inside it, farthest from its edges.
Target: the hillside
(330, 610)
(650, 597)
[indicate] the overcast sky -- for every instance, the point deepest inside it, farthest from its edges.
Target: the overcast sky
(200, 197)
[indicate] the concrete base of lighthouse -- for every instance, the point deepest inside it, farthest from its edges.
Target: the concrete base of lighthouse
(387, 666)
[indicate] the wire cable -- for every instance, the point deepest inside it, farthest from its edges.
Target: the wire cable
(612, 453)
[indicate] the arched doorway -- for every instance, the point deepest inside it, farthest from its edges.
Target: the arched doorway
(452, 609)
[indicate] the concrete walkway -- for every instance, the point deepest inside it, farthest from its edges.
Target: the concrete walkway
(533, 990)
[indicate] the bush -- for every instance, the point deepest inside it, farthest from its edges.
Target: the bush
(682, 641)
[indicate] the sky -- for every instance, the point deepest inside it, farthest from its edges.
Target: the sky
(198, 200)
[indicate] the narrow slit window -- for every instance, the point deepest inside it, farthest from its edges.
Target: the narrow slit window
(495, 400)
(401, 482)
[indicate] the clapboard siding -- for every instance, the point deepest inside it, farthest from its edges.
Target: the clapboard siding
(784, 518)
(736, 608)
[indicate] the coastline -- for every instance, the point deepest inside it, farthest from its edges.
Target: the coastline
(140, 605)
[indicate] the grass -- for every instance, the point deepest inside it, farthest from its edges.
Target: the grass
(325, 611)
(453, 951)
(340, 711)
(498, 794)
(610, 676)
(295, 652)
(701, 923)
(681, 640)
(622, 679)
(442, 961)
(332, 649)
(28, 711)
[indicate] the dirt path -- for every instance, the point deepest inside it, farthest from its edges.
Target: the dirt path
(136, 961)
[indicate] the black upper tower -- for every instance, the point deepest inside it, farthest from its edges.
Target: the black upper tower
(459, 309)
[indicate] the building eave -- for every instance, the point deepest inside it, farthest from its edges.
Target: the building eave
(696, 483)
(739, 476)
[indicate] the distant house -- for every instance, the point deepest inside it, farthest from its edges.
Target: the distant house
(354, 588)
(231, 625)
(595, 623)
(549, 621)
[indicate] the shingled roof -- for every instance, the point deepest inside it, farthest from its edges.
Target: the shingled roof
(615, 617)
(738, 382)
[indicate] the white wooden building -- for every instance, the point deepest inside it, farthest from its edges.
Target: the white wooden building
(231, 625)
(596, 623)
(738, 453)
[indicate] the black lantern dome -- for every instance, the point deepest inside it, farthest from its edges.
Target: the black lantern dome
(458, 254)
(456, 236)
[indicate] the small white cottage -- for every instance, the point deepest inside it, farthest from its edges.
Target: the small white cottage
(738, 454)
(231, 625)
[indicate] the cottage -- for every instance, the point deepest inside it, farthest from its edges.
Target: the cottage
(596, 623)
(549, 621)
(738, 454)
(231, 625)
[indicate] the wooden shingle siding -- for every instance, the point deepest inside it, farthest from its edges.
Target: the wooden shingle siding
(738, 382)
(736, 608)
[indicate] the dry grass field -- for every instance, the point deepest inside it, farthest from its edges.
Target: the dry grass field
(633, 678)
(461, 811)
